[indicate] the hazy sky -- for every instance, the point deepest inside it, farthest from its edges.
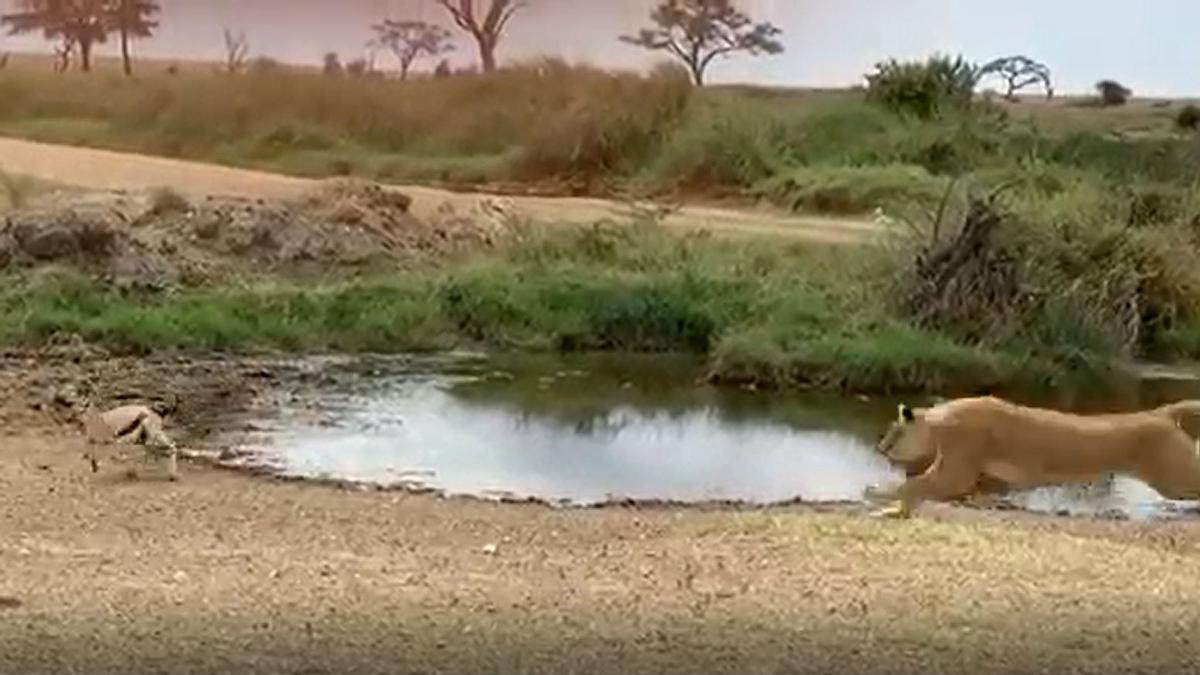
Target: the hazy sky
(829, 42)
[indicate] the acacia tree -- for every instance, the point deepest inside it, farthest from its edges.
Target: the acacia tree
(1019, 72)
(486, 26)
(1112, 92)
(134, 19)
(699, 31)
(74, 23)
(409, 40)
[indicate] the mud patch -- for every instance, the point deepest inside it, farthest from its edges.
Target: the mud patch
(41, 389)
(158, 238)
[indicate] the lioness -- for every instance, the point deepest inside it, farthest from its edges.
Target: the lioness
(987, 444)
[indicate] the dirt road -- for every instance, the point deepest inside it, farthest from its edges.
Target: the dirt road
(103, 169)
(224, 572)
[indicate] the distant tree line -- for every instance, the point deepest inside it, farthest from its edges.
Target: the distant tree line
(696, 33)
(80, 25)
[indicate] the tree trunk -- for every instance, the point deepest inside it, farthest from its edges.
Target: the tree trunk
(697, 74)
(404, 68)
(487, 53)
(85, 55)
(126, 62)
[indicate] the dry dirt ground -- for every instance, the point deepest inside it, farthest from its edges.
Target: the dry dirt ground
(159, 238)
(226, 572)
(106, 170)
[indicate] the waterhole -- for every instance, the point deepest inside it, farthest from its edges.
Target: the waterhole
(590, 430)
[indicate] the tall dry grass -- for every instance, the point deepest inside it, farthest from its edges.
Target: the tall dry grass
(542, 118)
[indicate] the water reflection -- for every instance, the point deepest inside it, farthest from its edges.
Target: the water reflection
(584, 430)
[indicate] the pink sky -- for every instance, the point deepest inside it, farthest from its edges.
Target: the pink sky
(1148, 46)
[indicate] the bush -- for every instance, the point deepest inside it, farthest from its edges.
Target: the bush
(923, 89)
(605, 130)
(854, 190)
(1112, 93)
(1188, 118)
(721, 144)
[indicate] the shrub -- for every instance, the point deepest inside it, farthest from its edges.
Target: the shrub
(601, 130)
(1112, 93)
(922, 89)
(721, 144)
(1188, 118)
(854, 190)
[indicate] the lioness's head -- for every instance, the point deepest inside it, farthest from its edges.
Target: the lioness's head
(907, 439)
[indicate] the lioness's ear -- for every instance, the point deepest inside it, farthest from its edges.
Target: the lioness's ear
(906, 414)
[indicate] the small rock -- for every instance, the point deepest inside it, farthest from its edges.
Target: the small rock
(489, 549)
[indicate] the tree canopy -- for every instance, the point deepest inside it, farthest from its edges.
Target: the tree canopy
(697, 32)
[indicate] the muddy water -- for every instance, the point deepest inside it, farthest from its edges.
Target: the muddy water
(595, 429)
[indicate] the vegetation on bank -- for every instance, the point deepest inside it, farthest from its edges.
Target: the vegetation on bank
(1089, 257)
(763, 313)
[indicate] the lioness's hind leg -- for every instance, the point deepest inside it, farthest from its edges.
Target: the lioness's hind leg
(1175, 472)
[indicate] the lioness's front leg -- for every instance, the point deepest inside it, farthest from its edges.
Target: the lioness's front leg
(947, 478)
(885, 492)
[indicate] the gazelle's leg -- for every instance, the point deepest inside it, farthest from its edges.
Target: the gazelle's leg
(173, 463)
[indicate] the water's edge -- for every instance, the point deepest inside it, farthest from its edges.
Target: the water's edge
(555, 431)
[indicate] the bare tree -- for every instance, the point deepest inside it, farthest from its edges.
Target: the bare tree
(134, 19)
(698, 31)
(62, 54)
(409, 40)
(1019, 72)
(237, 51)
(487, 27)
(82, 23)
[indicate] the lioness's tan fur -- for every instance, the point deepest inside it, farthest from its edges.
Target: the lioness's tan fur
(974, 441)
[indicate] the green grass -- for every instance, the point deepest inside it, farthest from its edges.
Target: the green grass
(1104, 206)
(855, 190)
(763, 313)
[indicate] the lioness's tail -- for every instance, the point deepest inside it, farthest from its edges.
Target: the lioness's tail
(1179, 412)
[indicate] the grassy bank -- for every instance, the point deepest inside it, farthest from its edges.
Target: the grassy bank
(1093, 263)
(762, 313)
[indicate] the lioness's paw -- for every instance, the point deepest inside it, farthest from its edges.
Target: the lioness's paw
(891, 513)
